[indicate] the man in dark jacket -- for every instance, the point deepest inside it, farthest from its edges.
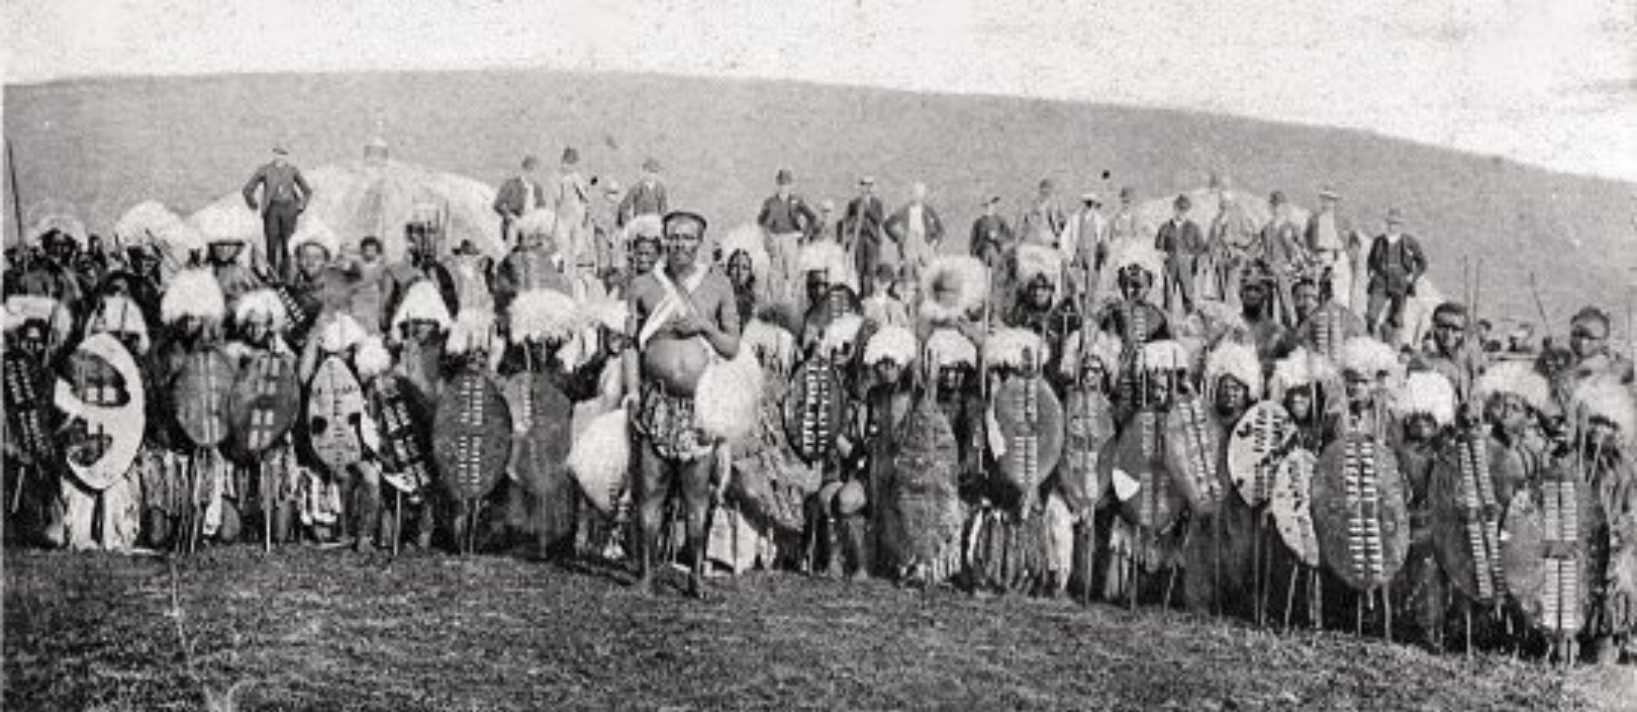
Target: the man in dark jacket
(786, 219)
(284, 194)
(861, 230)
(1182, 242)
(1396, 263)
(646, 197)
(991, 236)
(517, 196)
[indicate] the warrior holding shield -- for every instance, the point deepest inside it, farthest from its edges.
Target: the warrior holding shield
(686, 320)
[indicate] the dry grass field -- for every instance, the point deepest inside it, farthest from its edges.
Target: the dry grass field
(103, 145)
(309, 629)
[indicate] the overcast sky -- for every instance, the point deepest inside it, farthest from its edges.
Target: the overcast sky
(1548, 82)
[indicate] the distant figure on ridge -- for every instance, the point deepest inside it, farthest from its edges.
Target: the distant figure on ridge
(518, 196)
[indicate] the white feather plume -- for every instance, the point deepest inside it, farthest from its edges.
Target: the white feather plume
(1426, 393)
(193, 292)
(1007, 347)
(543, 314)
(893, 343)
(948, 347)
(1238, 360)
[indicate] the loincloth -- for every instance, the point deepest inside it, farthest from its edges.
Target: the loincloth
(666, 421)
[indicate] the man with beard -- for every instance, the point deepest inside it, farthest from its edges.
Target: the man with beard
(519, 195)
(530, 265)
(686, 319)
(1396, 263)
(1280, 248)
(646, 197)
(1270, 338)
(1182, 243)
(1043, 223)
(1322, 325)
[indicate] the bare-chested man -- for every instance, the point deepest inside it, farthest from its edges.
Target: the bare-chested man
(686, 319)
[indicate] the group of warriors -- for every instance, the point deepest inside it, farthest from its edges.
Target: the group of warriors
(1192, 417)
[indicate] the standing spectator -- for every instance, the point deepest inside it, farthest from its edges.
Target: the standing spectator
(1044, 221)
(284, 195)
(1396, 262)
(1126, 225)
(1181, 241)
(519, 195)
(991, 236)
(1085, 240)
(1280, 248)
(646, 197)
(1231, 243)
(573, 231)
(826, 227)
(1331, 241)
(786, 218)
(917, 230)
(861, 230)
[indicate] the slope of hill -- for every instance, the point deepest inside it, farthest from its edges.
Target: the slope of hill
(106, 144)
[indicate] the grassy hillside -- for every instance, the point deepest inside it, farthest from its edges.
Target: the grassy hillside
(304, 629)
(105, 144)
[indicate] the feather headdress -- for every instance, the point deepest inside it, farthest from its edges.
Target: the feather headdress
(340, 332)
(421, 302)
(539, 222)
(261, 304)
(231, 221)
(144, 222)
(24, 308)
(1105, 347)
(61, 222)
(119, 315)
(948, 347)
(894, 343)
(311, 230)
(1039, 261)
(773, 343)
(193, 292)
(1236, 360)
(543, 315)
(1426, 393)
(749, 240)
(1165, 355)
(1140, 254)
(1516, 378)
(952, 287)
(610, 314)
(1604, 397)
(649, 225)
(841, 332)
(1007, 347)
(372, 358)
(473, 329)
(828, 257)
(1301, 368)
(1369, 357)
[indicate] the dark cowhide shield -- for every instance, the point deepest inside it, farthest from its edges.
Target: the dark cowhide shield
(814, 410)
(924, 504)
(200, 396)
(1545, 552)
(541, 419)
(1031, 424)
(1138, 476)
(265, 402)
(471, 434)
(26, 417)
(1466, 517)
(103, 406)
(1291, 504)
(336, 415)
(404, 416)
(1360, 511)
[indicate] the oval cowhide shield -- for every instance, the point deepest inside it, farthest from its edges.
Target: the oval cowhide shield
(924, 509)
(404, 417)
(542, 419)
(1291, 503)
(471, 435)
(1360, 511)
(26, 428)
(1466, 517)
(1193, 454)
(1031, 423)
(814, 409)
(336, 415)
(265, 402)
(1544, 552)
(1088, 431)
(1255, 448)
(1137, 474)
(200, 394)
(102, 403)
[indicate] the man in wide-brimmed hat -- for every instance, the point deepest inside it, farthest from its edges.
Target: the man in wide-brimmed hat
(916, 229)
(1043, 222)
(1331, 240)
(1085, 240)
(284, 195)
